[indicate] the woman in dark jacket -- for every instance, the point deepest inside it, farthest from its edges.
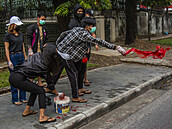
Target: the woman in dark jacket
(40, 64)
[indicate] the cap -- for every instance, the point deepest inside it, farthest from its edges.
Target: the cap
(88, 21)
(89, 11)
(15, 20)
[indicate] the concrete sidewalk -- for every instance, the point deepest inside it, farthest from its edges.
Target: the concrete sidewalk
(111, 87)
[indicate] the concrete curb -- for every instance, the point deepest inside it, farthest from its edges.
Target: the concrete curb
(5, 89)
(146, 61)
(4, 67)
(107, 106)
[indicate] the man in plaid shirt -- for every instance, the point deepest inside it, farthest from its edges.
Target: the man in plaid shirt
(72, 46)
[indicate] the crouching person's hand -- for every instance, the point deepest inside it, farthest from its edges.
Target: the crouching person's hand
(121, 50)
(30, 52)
(10, 65)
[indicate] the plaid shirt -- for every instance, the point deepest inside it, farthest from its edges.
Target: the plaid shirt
(75, 42)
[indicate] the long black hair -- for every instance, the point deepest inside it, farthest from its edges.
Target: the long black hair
(51, 58)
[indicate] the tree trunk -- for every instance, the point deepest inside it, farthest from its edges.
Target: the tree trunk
(162, 24)
(62, 21)
(167, 16)
(131, 21)
(149, 20)
(6, 5)
(10, 8)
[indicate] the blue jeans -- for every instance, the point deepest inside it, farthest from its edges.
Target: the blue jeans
(17, 59)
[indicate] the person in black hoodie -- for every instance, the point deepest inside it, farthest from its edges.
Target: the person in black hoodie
(79, 13)
(39, 64)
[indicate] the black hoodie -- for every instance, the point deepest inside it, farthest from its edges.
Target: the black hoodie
(76, 22)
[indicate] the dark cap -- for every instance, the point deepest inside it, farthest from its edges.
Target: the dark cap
(88, 21)
(89, 11)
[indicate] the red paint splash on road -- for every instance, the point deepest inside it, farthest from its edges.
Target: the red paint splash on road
(88, 105)
(58, 117)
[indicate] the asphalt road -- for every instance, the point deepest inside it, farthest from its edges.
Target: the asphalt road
(157, 115)
(152, 110)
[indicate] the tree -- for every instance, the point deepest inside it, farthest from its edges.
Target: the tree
(62, 20)
(131, 21)
(64, 9)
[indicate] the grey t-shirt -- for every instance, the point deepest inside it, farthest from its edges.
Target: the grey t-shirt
(15, 42)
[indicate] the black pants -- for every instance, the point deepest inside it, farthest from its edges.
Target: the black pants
(21, 82)
(74, 73)
(73, 70)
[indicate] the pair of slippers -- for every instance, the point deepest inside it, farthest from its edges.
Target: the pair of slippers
(81, 100)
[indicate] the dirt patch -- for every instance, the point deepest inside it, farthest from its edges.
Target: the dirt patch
(145, 45)
(103, 61)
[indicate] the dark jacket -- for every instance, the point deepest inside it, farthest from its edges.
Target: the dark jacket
(35, 67)
(33, 37)
(76, 22)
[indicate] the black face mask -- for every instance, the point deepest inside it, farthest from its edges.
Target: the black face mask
(80, 15)
(17, 29)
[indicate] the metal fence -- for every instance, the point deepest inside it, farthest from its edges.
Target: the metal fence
(24, 8)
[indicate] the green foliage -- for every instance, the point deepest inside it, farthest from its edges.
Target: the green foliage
(4, 75)
(65, 8)
(163, 41)
(156, 3)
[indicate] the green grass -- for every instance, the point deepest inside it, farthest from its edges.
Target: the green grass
(163, 41)
(4, 75)
(89, 65)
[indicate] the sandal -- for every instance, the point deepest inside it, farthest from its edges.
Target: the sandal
(24, 101)
(87, 83)
(81, 94)
(17, 103)
(42, 85)
(81, 100)
(47, 90)
(30, 113)
(48, 120)
(85, 91)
